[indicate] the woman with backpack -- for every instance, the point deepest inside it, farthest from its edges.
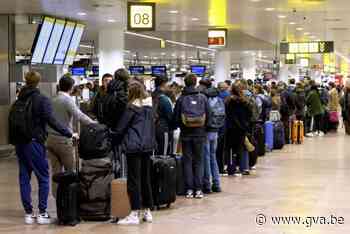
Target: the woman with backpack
(238, 116)
(135, 133)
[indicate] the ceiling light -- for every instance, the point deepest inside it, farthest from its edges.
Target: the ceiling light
(269, 9)
(292, 23)
(255, 0)
(111, 21)
(195, 19)
(145, 56)
(173, 12)
(163, 53)
(82, 13)
(282, 16)
(155, 57)
(174, 55)
(300, 29)
(306, 33)
(312, 37)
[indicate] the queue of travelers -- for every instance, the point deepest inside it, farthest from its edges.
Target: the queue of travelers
(217, 123)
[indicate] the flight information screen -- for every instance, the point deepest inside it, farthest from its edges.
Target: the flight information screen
(42, 40)
(64, 43)
(54, 41)
(72, 51)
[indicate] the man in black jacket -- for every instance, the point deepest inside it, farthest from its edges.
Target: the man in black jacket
(32, 155)
(193, 137)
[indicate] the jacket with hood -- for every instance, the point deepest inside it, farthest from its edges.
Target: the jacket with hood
(42, 115)
(300, 102)
(314, 103)
(163, 109)
(135, 131)
(212, 93)
(115, 102)
(187, 132)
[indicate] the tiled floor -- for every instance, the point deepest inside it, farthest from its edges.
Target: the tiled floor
(307, 180)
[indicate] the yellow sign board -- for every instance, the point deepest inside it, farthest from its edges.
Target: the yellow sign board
(141, 16)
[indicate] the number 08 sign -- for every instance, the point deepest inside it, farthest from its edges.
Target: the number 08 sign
(141, 16)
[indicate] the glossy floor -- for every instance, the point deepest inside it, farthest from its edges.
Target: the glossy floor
(307, 180)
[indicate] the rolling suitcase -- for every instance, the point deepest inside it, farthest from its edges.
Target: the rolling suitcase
(298, 132)
(67, 200)
(269, 135)
(259, 137)
(120, 203)
(163, 179)
(278, 135)
(180, 182)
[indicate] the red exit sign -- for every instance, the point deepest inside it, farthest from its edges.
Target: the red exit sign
(217, 38)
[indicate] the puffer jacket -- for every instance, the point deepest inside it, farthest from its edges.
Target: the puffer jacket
(135, 131)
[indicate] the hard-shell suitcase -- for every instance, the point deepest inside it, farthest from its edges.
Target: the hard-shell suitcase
(259, 137)
(279, 137)
(269, 135)
(67, 200)
(180, 182)
(163, 180)
(120, 202)
(298, 132)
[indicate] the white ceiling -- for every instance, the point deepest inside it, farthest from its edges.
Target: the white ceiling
(251, 27)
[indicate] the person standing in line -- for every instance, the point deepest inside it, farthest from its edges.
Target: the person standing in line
(333, 107)
(315, 110)
(60, 148)
(190, 114)
(135, 133)
(30, 146)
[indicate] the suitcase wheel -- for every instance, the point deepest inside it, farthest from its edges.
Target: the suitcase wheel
(168, 206)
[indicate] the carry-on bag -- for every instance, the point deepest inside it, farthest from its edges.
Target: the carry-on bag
(269, 135)
(67, 199)
(180, 181)
(96, 176)
(278, 135)
(163, 178)
(120, 202)
(298, 132)
(259, 137)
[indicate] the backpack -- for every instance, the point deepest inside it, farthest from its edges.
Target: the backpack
(94, 142)
(266, 107)
(216, 112)
(193, 111)
(21, 122)
(253, 108)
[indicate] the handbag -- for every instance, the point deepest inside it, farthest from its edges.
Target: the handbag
(333, 117)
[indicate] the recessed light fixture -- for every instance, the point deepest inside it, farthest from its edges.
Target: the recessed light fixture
(300, 29)
(255, 0)
(111, 21)
(81, 13)
(306, 33)
(292, 23)
(312, 37)
(195, 19)
(145, 56)
(174, 55)
(269, 9)
(173, 12)
(163, 53)
(282, 16)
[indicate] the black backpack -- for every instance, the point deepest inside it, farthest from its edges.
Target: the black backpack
(94, 142)
(21, 121)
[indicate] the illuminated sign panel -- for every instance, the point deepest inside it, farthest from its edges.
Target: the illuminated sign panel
(141, 16)
(320, 47)
(217, 38)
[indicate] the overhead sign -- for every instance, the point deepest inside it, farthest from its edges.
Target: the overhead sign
(141, 16)
(217, 38)
(316, 47)
(290, 59)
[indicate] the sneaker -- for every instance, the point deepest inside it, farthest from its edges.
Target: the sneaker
(147, 216)
(253, 168)
(29, 218)
(310, 134)
(245, 173)
(44, 218)
(321, 134)
(237, 174)
(199, 194)
(189, 194)
(131, 219)
(216, 189)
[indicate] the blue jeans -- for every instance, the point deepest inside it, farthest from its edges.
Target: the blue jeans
(211, 168)
(241, 160)
(32, 158)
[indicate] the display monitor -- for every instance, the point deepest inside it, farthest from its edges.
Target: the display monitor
(158, 70)
(78, 71)
(198, 70)
(54, 41)
(74, 44)
(95, 70)
(42, 39)
(137, 70)
(64, 43)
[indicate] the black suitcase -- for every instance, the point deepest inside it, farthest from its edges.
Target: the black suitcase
(163, 180)
(67, 199)
(259, 137)
(180, 182)
(279, 135)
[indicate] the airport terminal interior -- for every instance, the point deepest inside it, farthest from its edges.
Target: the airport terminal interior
(250, 107)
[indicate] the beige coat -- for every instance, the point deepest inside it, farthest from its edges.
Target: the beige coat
(333, 104)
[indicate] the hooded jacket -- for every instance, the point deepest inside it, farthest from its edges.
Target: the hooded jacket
(212, 93)
(42, 115)
(135, 131)
(187, 132)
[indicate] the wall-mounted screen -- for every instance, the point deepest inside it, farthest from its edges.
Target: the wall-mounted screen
(42, 39)
(54, 41)
(78, 71)
(64, 43)
(158, 70)
(137, 70)
(198, 70)
(74, 44)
